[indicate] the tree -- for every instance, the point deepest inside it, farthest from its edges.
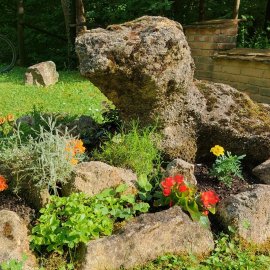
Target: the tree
(236, 9)
(267, 15)
(201, 10)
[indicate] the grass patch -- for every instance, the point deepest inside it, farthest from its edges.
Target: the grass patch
(72, 95)
(135, 150)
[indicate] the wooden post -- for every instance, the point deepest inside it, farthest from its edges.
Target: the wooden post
(236, 9)
(20, 32)
(80, 17)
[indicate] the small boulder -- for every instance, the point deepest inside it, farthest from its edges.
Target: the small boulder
(147, 237)
(262, 171)
(94, 176)
(14, 240)
(42, 74)
(179, 166)
(249, 213)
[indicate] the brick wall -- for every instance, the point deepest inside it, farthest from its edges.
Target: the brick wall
(206, 38)
(216, 59)
(245, 69)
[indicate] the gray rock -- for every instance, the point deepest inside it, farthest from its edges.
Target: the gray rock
(249, 213)
(14, 240)
(145, 68)
(42, 74)
(95, 176)
(181, 167)
(147, 237)
(262, 171)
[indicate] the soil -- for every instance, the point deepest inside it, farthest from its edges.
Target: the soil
(14, 203)
(207, 182)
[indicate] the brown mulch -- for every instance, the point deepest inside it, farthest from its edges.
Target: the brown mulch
(206, 182)
(11, 202)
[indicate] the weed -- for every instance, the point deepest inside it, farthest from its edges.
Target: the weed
(135, 150)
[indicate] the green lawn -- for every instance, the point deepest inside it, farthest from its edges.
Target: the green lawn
(72, 94)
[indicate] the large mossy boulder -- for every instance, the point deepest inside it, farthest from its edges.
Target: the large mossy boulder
(145, 67)
(147, 237)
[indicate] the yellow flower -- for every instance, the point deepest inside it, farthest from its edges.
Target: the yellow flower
(217, 150)
(10, 117)
(2, 120)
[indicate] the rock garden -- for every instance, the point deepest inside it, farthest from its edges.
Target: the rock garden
(173, 174)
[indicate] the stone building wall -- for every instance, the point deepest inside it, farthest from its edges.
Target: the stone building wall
(213, 47)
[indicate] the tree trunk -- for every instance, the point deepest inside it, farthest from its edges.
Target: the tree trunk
(177, 8)
(267, 15)
(20, 32)
(236, 9)
(201, 10)
(80, 17)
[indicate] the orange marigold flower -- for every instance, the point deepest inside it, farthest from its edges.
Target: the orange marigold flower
(74, 161)
(10, 117)
(78, 147)
(3, 183)
(2, 120)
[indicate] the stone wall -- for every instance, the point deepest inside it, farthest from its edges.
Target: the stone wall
(245, 69)
(213, 47)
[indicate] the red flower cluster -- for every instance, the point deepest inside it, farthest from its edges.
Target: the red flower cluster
(3, 183)
(209, 198)
(170, 182)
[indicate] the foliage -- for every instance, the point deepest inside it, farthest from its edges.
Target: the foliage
(102, 13)
(63, 97)
(56, 261)
(6, 124)
(68, 221)
(226, 167)
(135, 149)
(13, 264)
(176, 191)
(41, 46)
(227, 255)
(44, 161)
(252, 37)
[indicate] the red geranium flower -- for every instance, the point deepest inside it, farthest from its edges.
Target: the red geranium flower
(166, 192)
(205, 213)
(168, 183)
(183, 188)
(179, 179)
(209, 198)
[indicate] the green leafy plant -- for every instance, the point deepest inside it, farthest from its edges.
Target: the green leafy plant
(252, 37)
(14, 264)
(145, 188)
(68, 221)
(176, 191)
(135, 150)
(226, 165)
(45, 161)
